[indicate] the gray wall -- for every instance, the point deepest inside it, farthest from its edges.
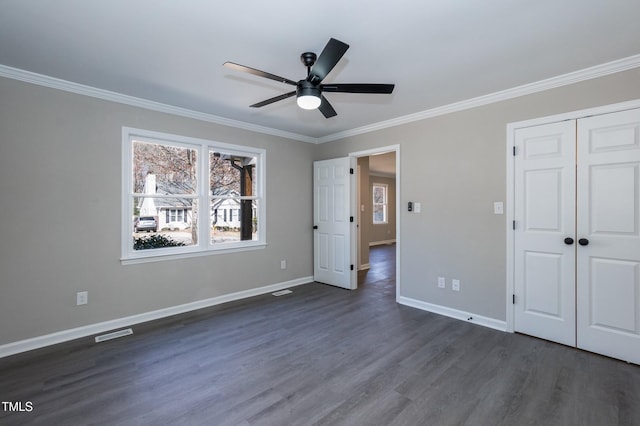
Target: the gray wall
(455, 165)
(60, 184)
(60, 215)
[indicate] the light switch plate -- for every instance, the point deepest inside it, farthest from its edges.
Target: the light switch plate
(82, 298)
(498, 207)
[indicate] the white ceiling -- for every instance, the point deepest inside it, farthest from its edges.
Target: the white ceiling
(437, 52)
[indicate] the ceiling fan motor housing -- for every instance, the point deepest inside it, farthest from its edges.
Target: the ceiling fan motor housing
(306, 88)
(308, 95)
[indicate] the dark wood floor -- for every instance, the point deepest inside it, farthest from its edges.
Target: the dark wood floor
(320, 355)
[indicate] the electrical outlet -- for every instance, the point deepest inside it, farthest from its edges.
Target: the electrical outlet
(441, 282)
(455, 285)
(82, 298)
(283, 264)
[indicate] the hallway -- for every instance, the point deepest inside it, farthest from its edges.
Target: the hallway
(382, 273)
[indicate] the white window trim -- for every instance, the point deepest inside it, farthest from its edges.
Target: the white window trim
(386, 203)
(204, 246)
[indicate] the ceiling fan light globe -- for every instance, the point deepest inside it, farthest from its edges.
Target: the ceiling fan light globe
(308, 101)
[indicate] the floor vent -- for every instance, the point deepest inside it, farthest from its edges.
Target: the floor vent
(114, 335)
(281, 292)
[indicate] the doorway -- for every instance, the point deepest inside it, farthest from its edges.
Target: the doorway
(375, 246)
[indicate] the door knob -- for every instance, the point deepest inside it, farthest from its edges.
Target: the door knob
(583, 242)
(315, 226)
(568, 241)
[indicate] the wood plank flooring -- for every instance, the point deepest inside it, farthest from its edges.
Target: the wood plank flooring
(320, 355)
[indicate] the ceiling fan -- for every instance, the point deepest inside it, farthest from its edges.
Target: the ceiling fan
(309, 91)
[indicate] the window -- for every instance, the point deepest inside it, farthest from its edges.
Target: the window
(182, 183)
(380, 203)
(175, 215)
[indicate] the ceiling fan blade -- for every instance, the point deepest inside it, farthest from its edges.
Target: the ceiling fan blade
(328, 59)
(274, 99)
(326, 109)
(358, 88)
(249, 70)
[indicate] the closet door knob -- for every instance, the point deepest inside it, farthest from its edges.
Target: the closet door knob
(583, 242)
(568, 241)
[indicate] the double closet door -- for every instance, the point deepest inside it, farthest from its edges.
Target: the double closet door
(577, 233)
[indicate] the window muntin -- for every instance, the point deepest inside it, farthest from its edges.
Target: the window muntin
(165, 176)
(380, 203)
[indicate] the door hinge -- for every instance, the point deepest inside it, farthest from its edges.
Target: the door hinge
(513, 299)
(352, 267)
(514, 224)
(350, 218)
(514, 150)
(351, 171)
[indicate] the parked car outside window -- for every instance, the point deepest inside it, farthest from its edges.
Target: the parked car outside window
(146, 223)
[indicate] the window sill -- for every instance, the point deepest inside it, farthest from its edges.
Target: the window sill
(199, 253)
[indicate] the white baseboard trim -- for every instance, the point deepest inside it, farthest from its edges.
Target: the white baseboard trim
(382, 243)
(454, 313)
(364, 267)
(89, 330)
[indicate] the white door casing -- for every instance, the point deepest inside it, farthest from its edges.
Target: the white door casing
(332, 225)
(608, 212)
(544, 213)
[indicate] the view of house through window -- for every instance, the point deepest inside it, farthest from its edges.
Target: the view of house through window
(233, 197)
(380, 203)
(164, 183)
(168, 190)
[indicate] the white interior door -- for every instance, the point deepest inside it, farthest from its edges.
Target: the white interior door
(544, 211)
(332, 225)
(608, 267)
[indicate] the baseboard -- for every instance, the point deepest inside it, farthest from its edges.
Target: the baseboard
(382, 243)
(89, 330)
(364, 267)
(454, 313)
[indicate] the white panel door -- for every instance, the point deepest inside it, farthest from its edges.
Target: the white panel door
(332, 226)
(545, 228)
(608, 258)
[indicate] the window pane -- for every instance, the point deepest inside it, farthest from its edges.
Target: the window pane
(379, 203)
(152, 230)
(379, 194)
(232, 175)
(163, 169)
(233, 220)
(379, 214)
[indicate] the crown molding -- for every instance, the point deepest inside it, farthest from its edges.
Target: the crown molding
(602, 70)
(526, 89)
(81, 89)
